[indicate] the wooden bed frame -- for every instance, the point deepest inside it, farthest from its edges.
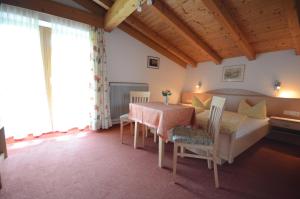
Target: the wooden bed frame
(230, 145)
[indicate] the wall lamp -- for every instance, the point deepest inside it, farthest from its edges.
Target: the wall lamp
(277, 85)
(139, 6)
(199, 84)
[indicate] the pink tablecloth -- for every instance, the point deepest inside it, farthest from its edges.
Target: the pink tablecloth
(160, 116)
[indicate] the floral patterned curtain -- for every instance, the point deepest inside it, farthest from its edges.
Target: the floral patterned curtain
(100, 110)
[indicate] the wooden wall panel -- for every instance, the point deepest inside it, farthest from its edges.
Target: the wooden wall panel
(201, 20)
(264, 23)
(269, 46)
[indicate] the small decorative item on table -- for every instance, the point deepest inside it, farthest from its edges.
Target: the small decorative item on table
(166, 94)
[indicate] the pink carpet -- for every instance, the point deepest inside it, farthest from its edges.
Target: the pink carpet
(96, 165)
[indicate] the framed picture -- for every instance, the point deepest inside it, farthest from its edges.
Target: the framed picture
(153, 62)
(233, 73)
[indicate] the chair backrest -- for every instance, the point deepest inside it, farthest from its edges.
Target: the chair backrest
(215, 117)
(139, 96)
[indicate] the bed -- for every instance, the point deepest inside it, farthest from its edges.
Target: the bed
(249, 131)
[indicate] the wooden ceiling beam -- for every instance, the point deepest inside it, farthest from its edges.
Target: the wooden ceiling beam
(58, 9)
(141, 27)
(119, 11)
(147, 32)
(223, 16)
(106, 4)
(142, 38)
(171, 18)
(293, 23)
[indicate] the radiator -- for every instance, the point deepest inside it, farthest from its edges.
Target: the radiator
(119, 97)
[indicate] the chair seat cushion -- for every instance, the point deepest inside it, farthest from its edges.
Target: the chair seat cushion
(191, 136)
(125, 118)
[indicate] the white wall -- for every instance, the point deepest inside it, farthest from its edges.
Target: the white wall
(259, 74)
(127, 62)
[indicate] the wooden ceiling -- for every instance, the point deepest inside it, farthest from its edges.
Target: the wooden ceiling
(193, 31)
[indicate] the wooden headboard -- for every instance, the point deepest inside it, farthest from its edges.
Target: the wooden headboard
(275, 105)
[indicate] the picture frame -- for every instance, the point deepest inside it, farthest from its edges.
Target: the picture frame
(234, 73)
(153, 62)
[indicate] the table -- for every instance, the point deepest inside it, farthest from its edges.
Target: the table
(161, 117)
(285, 130)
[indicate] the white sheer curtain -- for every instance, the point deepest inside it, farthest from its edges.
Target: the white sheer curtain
(23, 100)
(70, 74)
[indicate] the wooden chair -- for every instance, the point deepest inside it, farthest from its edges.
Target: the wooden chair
(135, 97)
(204, 140)
(153, 131)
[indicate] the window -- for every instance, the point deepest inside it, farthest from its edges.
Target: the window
(70, 76)
(44, 75)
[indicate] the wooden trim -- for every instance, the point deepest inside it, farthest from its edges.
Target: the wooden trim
(119, 11)
(234, 91)
(275, 105)
(293, 22)
(285, 119)
(57, 9)
(152, 44)
(224, 17)
(89, 5)
(138, 25)
(170, 17)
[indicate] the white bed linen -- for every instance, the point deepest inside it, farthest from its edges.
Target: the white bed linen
(249, 125)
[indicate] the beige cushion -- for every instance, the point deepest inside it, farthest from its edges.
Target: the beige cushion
(231, 121)
(258, 111)
(243, 107)
(199, 105)
(207, 103)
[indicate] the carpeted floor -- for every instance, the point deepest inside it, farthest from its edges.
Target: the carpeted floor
(96, 165)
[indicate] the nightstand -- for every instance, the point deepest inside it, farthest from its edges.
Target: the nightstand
(285, 130)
